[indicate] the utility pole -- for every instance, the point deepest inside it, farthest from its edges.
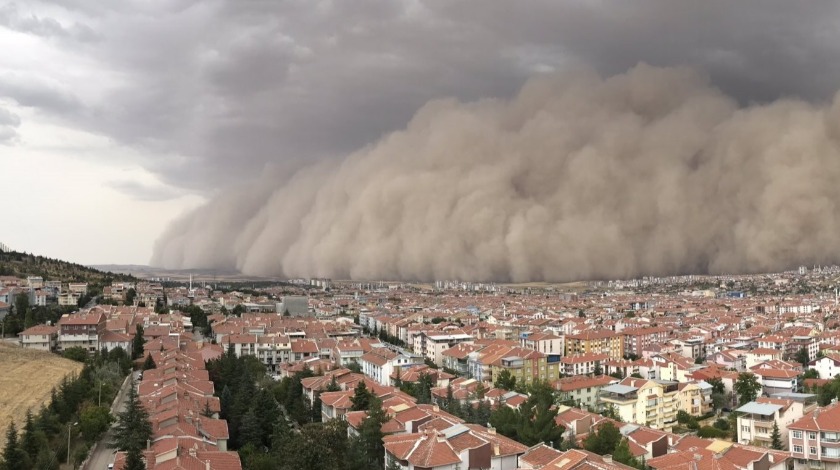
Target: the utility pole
(68, 443)
(68, 440)
(100, 393)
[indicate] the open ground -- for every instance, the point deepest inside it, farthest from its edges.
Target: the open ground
(26, 378)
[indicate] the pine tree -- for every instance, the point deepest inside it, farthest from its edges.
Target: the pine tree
(133, 427)
(28, 442)
(623, 455)
(149, 363)
(776, 437)
(134, 460)
(250, 431)
(370, 432)
(137, 343)
(361, 398)
(14, 458)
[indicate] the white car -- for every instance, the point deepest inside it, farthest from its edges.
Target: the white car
(110, 466)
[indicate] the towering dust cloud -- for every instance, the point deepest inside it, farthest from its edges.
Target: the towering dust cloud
(577, 177)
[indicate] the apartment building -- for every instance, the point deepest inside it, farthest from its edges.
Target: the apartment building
(546, 343)
(652, 403)
(379, 364)
(526, 366)
(814, 439)
(755, 424)
(582, 391)
(596, 342)
(431, 346)
(83, 329)
(827, 367)
(636, 340)
(583, 364)
(40, 337)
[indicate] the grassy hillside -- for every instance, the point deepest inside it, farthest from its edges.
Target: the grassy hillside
(18, 264)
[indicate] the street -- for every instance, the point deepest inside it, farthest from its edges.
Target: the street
(101, 455)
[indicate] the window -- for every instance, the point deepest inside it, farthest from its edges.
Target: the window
(812, 450)
(797, 434)
(745, 428)
(797, 449)
(812, 435)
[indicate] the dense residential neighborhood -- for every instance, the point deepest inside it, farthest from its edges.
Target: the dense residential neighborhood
(696, 371)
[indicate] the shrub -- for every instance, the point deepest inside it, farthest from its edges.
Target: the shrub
(710, 432)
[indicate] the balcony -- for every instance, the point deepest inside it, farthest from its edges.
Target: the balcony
(830, 454)
(618, 398)
(829, 438)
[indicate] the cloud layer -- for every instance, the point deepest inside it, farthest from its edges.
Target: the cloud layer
(652, 171)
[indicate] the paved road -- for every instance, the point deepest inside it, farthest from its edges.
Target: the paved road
(101, 454)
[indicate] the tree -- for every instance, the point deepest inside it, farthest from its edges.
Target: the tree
(14, 458)
(811, 374)
(250, 432)
(130, 294)
(746, 387)
(28, 441)
(138, 342)
(76, 353)
(361, 398)
(134, 460)
(238, 310)
(604, 440)
(370, 434)
(598, 369)
(505, 380)
(536, 417)
(94, 421)
(21, 305)
(149, 363)
(802, 357)
(776, 437)
(622, 453)
(133, 427)
(423, 388)
(718, 400)
(717, 385)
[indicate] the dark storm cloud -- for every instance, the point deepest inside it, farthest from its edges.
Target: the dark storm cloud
(34, 92)
(230, 86)
(222, 92)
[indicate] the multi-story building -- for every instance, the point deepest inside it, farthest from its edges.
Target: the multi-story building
(596, 342)
(546, 343)
(755, 423)
(652, 403)
(814, 439)
(83, 329)
(581, 391)
(583, 364)
(379, 364)
(432, 346)
(526, 366)
(636, 340)
(41, 337)
(827, 367)
(455, 358)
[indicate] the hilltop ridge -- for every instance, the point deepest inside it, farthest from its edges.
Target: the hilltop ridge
(18, 264)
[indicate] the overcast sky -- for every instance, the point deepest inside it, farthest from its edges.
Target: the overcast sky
(118, 116)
